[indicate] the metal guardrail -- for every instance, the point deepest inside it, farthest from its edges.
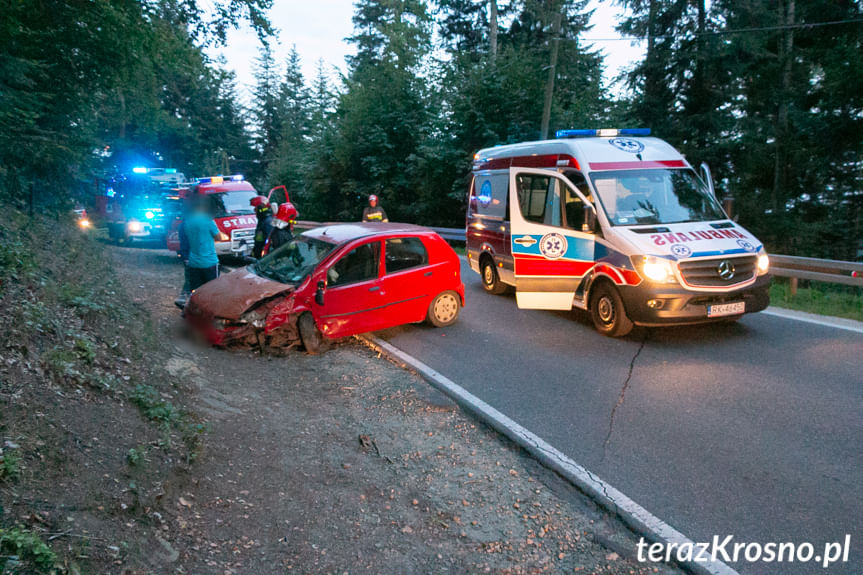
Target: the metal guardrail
(830, 271)
(796, 268)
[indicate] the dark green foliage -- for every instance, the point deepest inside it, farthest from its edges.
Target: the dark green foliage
(776, 109)
(21, 551)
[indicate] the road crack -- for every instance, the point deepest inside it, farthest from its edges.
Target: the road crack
(622, 396)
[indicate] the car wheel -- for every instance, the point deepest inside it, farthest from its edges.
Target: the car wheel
(490, 278)
(444, 309)
(313, 340)
(607, 311)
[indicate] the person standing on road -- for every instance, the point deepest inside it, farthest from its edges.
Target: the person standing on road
(201, 233)
(283, 227)
(373, 212)
(265, 224)
(181, 300)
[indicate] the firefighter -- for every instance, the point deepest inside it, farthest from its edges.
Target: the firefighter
(265, 224)
(374, 213)
(283, 227)
(201, 233)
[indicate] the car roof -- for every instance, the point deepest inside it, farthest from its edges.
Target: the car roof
(341, 233)
(225, 187)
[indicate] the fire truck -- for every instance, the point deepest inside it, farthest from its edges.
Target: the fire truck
(134, 205)
(232, 212)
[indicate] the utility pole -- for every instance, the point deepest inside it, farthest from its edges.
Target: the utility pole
(780, 175)
(492, 30)
(552, 72)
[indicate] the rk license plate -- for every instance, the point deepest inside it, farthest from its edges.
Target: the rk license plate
(721, 309)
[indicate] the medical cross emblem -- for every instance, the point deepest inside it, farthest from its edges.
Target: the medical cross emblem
(627, 145)
(552, 246)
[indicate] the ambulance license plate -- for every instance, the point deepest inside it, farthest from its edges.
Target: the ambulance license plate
(721, 309)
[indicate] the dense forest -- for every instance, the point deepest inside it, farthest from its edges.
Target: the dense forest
(768, 92)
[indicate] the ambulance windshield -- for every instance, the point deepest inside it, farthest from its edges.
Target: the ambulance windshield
(655, 196)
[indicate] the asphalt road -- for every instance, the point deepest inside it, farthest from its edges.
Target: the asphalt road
(752, 429)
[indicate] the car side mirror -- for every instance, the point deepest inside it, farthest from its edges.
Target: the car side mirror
(589, 225)
(319, 293)
(708, 178)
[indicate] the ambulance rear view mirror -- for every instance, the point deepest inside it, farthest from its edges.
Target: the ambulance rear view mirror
(589, 225)
(708, 178)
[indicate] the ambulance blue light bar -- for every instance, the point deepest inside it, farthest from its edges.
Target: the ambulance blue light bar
(603, 132)
(139, 170)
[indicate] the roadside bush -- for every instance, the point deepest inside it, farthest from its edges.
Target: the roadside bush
(22, 551)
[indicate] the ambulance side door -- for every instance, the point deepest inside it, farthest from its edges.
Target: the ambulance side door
(550, 259)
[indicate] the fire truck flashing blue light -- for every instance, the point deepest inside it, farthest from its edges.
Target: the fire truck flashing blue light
(139, 170)
(604, 132)
(237, 178)
(149, 215)
(170, 170)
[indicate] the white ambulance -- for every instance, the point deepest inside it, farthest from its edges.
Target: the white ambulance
(613, 222)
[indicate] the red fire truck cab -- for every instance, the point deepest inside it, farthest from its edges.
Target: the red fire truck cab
(235, 217)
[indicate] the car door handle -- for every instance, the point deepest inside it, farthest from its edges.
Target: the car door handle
(427, 274)
(375, 288)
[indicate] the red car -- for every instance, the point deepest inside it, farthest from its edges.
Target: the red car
(332, 282)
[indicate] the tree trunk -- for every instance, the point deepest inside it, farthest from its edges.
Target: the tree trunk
(122, 98)
(786, 46)
(492, 30)
(549, 85)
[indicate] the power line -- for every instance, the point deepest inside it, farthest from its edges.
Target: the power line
(726, 32)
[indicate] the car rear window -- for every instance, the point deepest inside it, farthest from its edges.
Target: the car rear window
(405, 253)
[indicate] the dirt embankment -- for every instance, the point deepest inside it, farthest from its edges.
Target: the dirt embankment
(196, 460)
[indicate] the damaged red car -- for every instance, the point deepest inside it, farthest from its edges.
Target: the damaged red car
(331, 282)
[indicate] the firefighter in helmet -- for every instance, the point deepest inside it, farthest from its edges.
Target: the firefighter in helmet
(373, 212)
(265, 224)
(283, 227)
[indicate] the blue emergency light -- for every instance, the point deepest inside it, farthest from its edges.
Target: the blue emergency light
(170, 170)
(602, 132)
(139, 170)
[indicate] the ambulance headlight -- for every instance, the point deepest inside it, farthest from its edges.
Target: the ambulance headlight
(763, 262)
(655, 269)
(135, 227)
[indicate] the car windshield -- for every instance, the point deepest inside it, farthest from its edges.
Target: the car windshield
(655, 196)
(232, 203)
(292, 262)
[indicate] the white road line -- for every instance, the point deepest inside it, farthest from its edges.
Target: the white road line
(814, 318)
(634, 515)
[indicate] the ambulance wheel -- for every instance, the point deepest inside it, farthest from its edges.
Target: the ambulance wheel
(443, 309)
(607, 311)
(490, 278)
(313, 340)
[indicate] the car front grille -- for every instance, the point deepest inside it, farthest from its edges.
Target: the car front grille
(721, 272)
(242, 239)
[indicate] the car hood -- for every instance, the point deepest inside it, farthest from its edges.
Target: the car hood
(232, 294)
